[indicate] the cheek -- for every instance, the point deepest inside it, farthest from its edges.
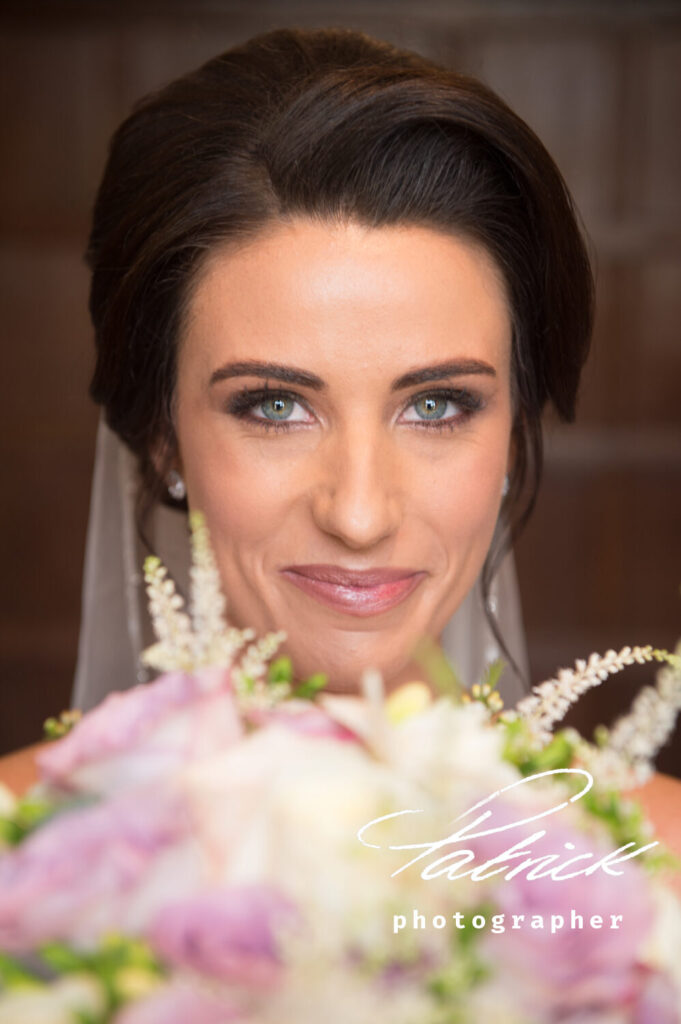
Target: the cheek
(465, 526)
(461, 495)
(243, 495)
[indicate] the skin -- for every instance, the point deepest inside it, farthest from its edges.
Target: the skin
(357, 477)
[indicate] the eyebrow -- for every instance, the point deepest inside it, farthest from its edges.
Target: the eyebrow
(292, 375)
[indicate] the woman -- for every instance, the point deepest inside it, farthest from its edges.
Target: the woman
(262, 189)
(334, 287)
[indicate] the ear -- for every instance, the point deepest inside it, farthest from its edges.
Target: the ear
(165, 456)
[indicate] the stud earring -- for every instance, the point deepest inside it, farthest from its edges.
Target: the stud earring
(506, 486)
(176, 485)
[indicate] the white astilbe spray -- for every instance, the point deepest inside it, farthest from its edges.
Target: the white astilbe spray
(188, 642)
(611, 770)
(249, 676)
(172, 625)
(633, 741)
(549, 702)
(623, 755)
(207, 600)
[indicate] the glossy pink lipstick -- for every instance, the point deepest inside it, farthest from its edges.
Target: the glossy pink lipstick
(355, 591)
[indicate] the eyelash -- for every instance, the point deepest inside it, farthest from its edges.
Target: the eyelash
(243, 402)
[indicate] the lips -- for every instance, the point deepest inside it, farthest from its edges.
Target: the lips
(354, 591)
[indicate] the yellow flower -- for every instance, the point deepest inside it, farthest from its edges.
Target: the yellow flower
(407, 700)
(136, 982)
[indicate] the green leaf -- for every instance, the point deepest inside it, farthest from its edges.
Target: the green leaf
(55, 728)
(280, 670)
(626, 820)
(559, 753)
(623, 817)
(520, 750)
(62, 959)
(52, 729)
(115, 954)
(310, 687)
(27, 814)
(10, 833)
(468, 935)
(493, 673)
(14, 975)
(124, 951)
(451, 985)
(85, 1017)
(248, 684)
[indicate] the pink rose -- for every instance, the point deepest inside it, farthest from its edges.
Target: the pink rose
(577, 966)
(579, 958)
(230, 934)
(140, 735)
(657, 1000)
(80, 873)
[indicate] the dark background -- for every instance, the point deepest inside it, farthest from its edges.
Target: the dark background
(600, 564)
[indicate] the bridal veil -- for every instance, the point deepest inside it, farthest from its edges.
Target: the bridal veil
(115, 627)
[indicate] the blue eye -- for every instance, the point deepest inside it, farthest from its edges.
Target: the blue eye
(431, 407)
(269, 409)
(281, 410)
(444, 408)
(279, 407)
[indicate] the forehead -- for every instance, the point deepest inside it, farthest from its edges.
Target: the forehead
(331, 292)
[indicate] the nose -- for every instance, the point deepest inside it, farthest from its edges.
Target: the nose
(356, 498)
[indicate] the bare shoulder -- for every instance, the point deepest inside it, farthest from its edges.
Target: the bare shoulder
(661, 800)
(18, 770)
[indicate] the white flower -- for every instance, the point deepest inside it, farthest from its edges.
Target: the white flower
(185, 642)
(57, 1003)
(296, 804)
(337, 996)
(664, 941)
(451, 750)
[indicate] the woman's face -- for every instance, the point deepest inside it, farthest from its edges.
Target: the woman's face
(343, 415)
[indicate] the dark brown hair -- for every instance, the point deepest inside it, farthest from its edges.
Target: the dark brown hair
(333, 125)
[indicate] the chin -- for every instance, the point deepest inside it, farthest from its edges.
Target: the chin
(344, 662)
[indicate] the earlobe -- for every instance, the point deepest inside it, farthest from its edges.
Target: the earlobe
(168, 466)
(176, 486)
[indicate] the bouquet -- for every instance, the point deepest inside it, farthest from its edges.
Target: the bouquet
(226, 844)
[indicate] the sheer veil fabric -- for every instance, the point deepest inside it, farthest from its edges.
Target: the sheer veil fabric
(115, 627)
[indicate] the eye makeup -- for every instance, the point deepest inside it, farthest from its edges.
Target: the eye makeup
(243, 404)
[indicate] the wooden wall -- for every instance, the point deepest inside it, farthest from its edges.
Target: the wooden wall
(600, 565)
